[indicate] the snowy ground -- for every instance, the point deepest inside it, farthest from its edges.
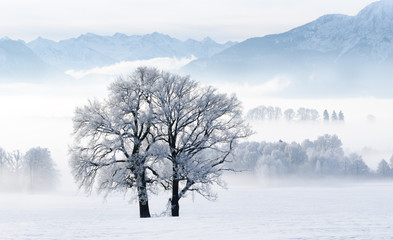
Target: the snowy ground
(334, 210)
(41, 116)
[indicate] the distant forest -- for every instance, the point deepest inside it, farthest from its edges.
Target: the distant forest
(321, 157)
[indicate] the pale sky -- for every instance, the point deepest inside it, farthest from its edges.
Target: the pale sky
(183, 19)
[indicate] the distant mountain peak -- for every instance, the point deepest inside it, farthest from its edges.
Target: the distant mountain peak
(330, 52)
(156, 36)
(380, 8)
(90, 50)
(120, 35)
(207, 39)
(5, 38)
(87, 36)
(42, 40)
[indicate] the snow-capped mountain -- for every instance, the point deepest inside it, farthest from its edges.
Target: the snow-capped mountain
(44, 57)
(17, 60)
(335, 52)
(68, 54)
(90, 50)
(368, 34)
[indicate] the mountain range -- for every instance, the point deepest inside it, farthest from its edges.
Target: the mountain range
(91, 50)
(44, 57)
(333, 55)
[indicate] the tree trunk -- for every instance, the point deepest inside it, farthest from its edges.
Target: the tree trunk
(175, 198)
(144, 211)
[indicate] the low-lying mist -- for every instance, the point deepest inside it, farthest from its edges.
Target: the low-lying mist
(41, 115)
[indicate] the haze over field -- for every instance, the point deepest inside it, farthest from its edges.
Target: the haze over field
(274, 55)
(84, 66)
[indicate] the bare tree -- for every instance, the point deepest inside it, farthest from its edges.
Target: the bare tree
(289, 114)
(113, 138)
(15, 161)
(39, 169)
(14, 165)
(3, 159)
(156, 128)
(3, 165)
(199, 127)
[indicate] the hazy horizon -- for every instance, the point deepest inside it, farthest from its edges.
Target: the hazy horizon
(277, 188)
(221, 20)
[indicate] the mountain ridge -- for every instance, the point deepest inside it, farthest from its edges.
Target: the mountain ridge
(334, 54)
(104, 50)
(42, 57)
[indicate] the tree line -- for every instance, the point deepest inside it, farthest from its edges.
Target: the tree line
(270, 113)
(155, 130)
(33, 171)
(321, 157)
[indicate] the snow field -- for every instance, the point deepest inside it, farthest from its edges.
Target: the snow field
(244, 211)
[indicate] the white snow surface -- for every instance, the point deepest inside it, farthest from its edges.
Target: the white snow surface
(328, 210)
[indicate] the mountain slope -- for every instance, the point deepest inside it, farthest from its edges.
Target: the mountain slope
(90, 50)
(68, 54)
(335, 54)
(19, 62)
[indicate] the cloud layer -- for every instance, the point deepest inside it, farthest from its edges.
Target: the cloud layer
(125, 67)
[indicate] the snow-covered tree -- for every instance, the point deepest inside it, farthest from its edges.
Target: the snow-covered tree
(314, 115)
(334, 116)
(357, 166)
(258, 113)
(3, 159)
(326, 152)
(264, 113)
(114, 138)
(155, 128)
(302, 114)
(305, 114)
(3, 165)
(277, 114)
(289, 114)
(383, 168)
(14, 166)
(245, 156)
(15, 162)
(33, 170)
(296, 157)
(341, 116)
(39, 170)
(281, 158)
(323, 156)
(273, 160)
(200, 128)
(326, 116)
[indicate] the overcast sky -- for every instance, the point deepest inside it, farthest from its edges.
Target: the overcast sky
(222, 20)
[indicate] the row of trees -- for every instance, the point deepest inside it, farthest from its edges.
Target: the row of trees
(302, 114)
(155, 130)
(33, 171)
(334, 117)
(323, 156)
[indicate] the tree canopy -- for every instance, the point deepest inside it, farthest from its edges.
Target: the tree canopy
(155, 129)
